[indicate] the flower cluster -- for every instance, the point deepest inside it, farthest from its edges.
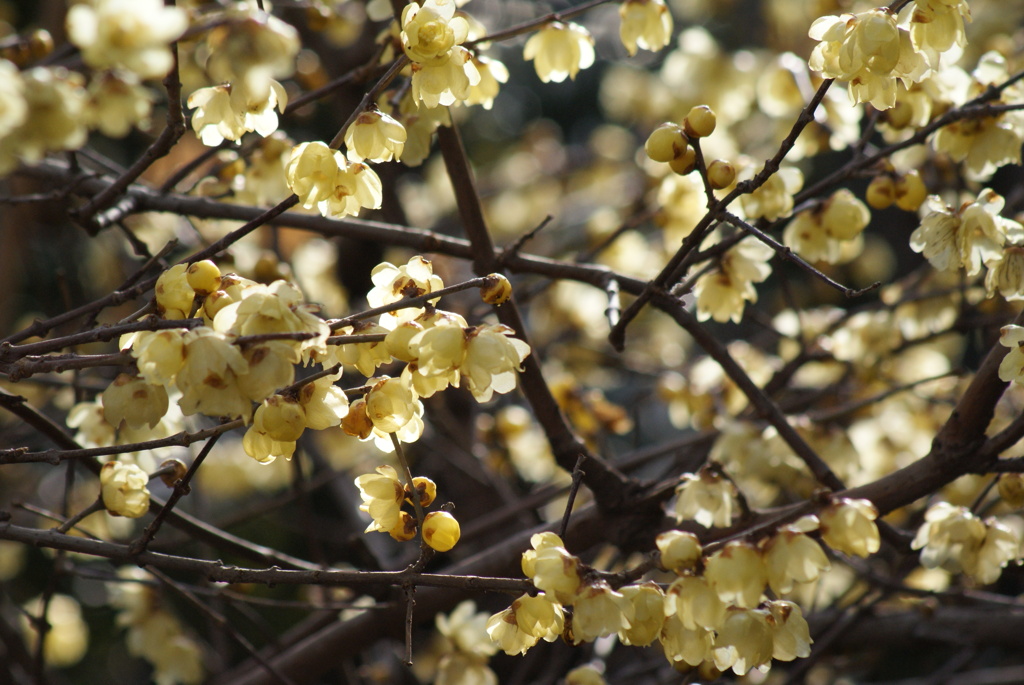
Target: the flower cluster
(443, 72)
(717, 617)
(386, 500)
(154, 633)
(966, 236)
(722, 294)
(870, 52)
(325, 179)
(956, 540)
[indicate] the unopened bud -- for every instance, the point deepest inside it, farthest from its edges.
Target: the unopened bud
(405, 529)
(204, 277)
(910, 192)
(440, 530)
(881, 192)
(497, 290)
(171, 471)
(721, 174)
(666, 143)
(700, 122)
(684, 164)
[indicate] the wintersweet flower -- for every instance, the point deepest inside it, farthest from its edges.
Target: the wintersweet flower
(251, 49)
(820, 233)
(492, 73)
(364, 356)
(560, 50)
(597, 611)
(956, 540)
(737, 573)
(723, 293)
(848, 526)
(158, 354)
(67, 639)
(492, 359)
(1006, 273)
(1001, 546)
(392, 283)
(208, 379)
(445, 83)
(680, 550)
(356, 186)
(937, 25)
(691, 646)
(695, 603)
(128, 34)
(134, 401)
(375, 137)
(117, 102)
(1012, 366)
(963, 237)
(706, 497)
(870, 52)
(431, 30)
(648, 602)
(774, 199)
(382, 496)
(174, 296)
(390, 404)
(744, 641)
(791, 636)
(540, 616)
(124, 489)
(791, 557)
(551, 568)
(645, 24)
(311, 172)
(503, 628)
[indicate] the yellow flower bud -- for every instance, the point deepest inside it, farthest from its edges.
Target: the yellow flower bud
(685, 163)
(173, 294)
(700, 122)
(1011, 489)
(204, 277)
(440, 530)
(667, 142)
(497, 290)
(721, 174)
(910, 192)
(881, 192)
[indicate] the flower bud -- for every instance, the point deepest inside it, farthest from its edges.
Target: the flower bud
(1011, 489)
(700, 122)
(910, 192)
(173, 471)
(204, 277)
(426, 488)
(215, 302)
(685, 163)
(881, 192)
(440, 530)
(721, 174)
(666, 143)
(497, 290)
(173, 294)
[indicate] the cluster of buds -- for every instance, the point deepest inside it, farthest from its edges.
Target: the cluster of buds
(388, 501)
(671, 143)
(906, 191)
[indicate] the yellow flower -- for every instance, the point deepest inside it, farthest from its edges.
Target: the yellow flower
(208, 380)
(722, 294)
(598, 611)
(355, 186)
(737, 573)
(67, 639)
(848, 526)
(791, 636)
(134, 401)
(687, 645)
(560, 50)
(706, 498)
(431, 30)
(311, 172)
(695, 603)
(937, 25)
(492, 72)
(551, 568)
(966, 236)
(870, 52)
(376, 137)
(382, 496)
(679, 550)
(390, 404)
(124, 489)
(492, 359)
(744, 641)
(648, 602)
(504, 630)
(174, 295)
(129, 34)
(117, 103)
(445, 82)
(646, 24)
(250, 49)
(791, 557)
